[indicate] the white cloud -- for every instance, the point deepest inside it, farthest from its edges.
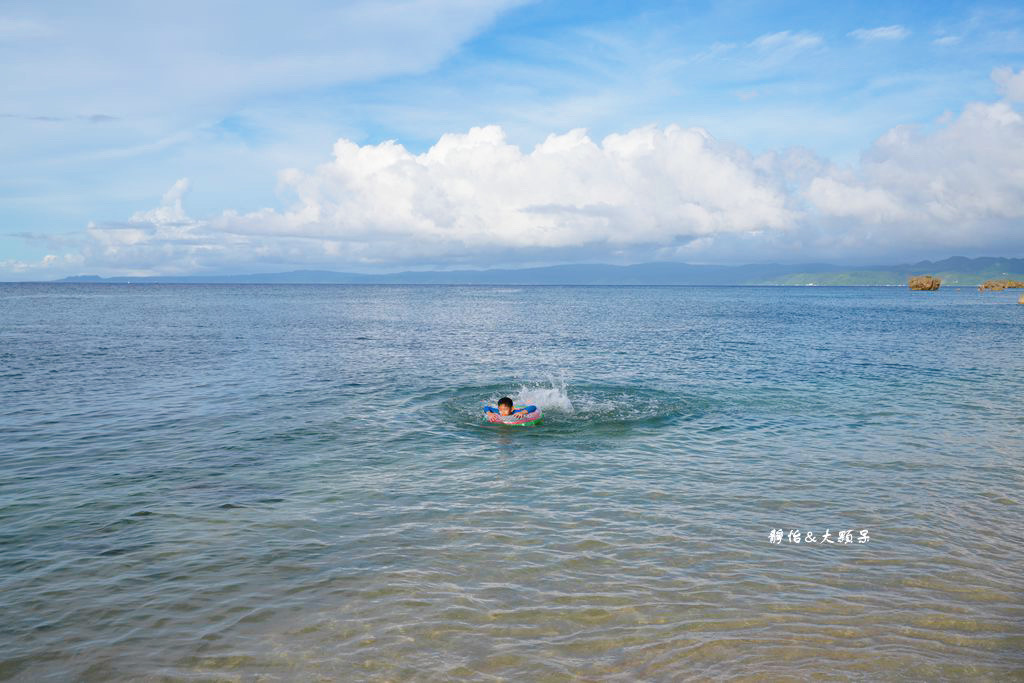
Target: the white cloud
(835, 198)
(959, 187)
(472, 195)
(215, 53)
(480, 193)
(170, 210)
(770, 53)
(47, 262)
(946, 41)
(787, 42)
(894, 32)
(1010, 84)
(474, 199)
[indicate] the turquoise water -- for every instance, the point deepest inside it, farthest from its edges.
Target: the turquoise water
(228, 482)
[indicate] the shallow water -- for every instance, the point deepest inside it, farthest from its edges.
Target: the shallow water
(221, 482)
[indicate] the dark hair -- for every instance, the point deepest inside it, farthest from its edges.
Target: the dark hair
(505, 401)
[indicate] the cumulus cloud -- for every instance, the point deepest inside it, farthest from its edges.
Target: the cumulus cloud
(1010, 84)
(475, 195)
(474, 199)
(957, 187)
(476, 189)
(48, 262)
(894, 32)
(164, 240)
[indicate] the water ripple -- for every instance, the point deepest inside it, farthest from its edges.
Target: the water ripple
(295, 483)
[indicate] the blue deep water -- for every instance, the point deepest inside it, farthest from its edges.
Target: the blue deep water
(295, 483)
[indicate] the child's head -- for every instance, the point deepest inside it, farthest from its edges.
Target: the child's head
(504, 405)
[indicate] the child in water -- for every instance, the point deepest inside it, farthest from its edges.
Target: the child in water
(508, 413)
(505, 407)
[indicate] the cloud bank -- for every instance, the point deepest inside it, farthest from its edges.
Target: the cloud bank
(1010, 84)
(673, 192)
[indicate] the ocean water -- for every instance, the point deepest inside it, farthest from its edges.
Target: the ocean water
(295, 483)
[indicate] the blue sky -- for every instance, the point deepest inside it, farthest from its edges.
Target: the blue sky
(140, 138)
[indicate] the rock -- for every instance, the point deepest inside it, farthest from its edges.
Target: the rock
(1000, 285)
(925, 283)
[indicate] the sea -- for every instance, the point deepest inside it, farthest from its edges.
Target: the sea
(295, 482)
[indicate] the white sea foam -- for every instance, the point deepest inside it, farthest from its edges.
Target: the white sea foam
(554, 396)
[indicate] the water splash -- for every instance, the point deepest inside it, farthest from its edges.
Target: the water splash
(551, 398)
(573, 407)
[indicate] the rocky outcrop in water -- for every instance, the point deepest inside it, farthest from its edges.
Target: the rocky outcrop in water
(925, 283)
(1000, 285)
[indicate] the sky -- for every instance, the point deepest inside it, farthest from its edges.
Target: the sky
(246, 137)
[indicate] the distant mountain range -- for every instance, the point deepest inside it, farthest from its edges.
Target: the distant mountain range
(957, 270)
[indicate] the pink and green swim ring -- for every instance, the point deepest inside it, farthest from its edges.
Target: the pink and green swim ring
(533, 416)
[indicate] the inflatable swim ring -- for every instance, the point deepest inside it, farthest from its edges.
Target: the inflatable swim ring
(532, 416)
